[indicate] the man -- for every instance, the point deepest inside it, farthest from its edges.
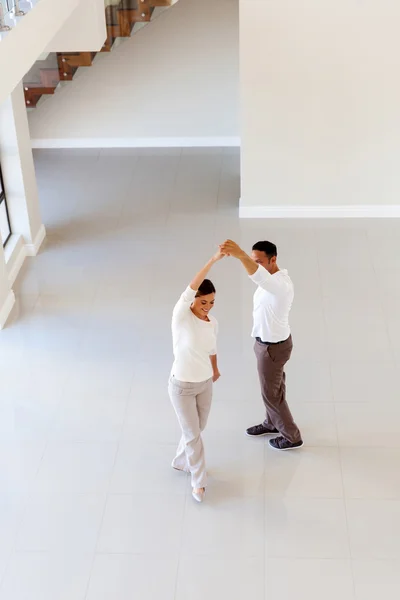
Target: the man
(273, 342)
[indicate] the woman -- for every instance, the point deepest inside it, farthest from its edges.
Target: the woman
(195, 369)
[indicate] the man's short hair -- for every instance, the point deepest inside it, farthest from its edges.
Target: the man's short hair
(267, 247)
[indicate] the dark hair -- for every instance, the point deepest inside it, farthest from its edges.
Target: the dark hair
(267, 247)
(207, 287)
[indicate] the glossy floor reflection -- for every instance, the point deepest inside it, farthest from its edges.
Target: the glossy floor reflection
(89, 506)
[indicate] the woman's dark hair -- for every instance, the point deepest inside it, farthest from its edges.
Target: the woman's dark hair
(268, 248)
(207, 287)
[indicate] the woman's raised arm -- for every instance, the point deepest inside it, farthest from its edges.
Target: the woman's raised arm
(201, 275)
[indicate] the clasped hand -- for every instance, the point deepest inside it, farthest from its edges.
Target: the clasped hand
(230, 248)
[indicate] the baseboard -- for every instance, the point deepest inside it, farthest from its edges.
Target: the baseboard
(6, 308)
(33, 249)
(150, 142)
(361, 211)
(15, 254)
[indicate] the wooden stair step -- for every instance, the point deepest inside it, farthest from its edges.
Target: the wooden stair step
(112, 15)
(115, 16)
(156, 3)
(65, 69)
(35, 88)
(115, 31)
(49, 77)
(137, 16)
(33, 92)
(122, 17)
(129, 4)
(77, 59)
(32, 101)
(108, 43)
(66, 72)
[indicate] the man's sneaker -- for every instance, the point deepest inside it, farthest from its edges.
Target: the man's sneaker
(258, 430)
(281, 443)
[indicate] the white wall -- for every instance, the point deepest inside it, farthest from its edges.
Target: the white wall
(84, 31)
(320, 96)
(19, 171)
(7, 298)
(174, 82)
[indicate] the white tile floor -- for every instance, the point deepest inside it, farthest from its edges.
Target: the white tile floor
(89, 506)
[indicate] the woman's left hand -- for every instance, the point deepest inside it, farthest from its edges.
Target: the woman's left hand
(219, 255)
(231, 248)
(216, 376)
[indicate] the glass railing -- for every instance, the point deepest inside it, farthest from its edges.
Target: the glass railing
(41, 79)
(123, 18)
(11, 11)
(126, 17)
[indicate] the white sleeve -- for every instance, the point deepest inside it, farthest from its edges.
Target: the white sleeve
(184, 303)
(214, 350)
(266, 281)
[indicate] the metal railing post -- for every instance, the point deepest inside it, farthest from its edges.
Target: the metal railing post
(18, 12)
(3, 26)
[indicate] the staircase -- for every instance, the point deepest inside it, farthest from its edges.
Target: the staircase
(55, 68)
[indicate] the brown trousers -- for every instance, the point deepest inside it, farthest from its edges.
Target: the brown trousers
(271, 360)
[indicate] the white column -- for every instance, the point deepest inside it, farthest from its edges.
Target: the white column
(7, 297)
(320, 98)
(19, 172)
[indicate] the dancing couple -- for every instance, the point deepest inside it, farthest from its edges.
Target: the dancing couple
(195, 368)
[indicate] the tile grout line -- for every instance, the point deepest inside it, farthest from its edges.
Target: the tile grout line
(265, 554)
(346, 510)
(181, 541)
(7, 565)
(28, 493)
(172, 189)
(382, 306)
(338, 440)
(107, 495)
(129, 185)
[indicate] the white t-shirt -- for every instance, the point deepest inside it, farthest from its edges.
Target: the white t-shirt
(272, 303)
(194, 341)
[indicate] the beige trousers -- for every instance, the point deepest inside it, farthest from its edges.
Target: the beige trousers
(192, 403)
